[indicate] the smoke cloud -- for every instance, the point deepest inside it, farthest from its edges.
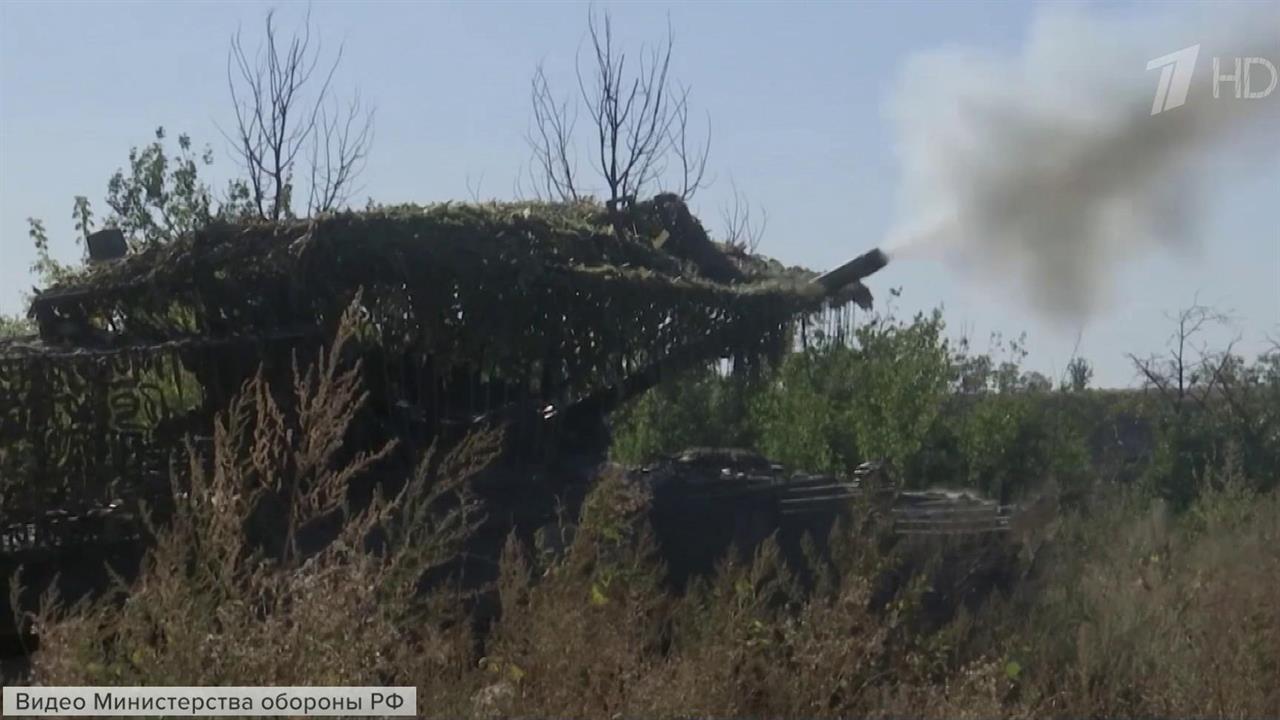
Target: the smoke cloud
(1050, 168)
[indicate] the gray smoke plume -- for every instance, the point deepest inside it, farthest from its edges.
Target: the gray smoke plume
(1050, 168)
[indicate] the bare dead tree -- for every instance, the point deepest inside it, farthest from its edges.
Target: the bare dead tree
(638, 120)
(1189, 371)
(631, 115)
(741, 231)
(282, 97)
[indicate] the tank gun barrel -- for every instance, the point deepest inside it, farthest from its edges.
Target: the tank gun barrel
(853, 271)
(842, 281)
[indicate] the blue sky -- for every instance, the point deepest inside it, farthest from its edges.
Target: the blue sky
(796, 93)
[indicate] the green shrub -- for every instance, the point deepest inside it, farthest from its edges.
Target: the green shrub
(699, 408)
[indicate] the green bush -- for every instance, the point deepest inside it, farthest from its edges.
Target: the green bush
(943, 415)
(700, 408)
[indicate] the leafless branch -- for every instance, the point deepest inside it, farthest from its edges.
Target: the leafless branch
(339, 148)
(1189, 370)
(281, 95)
(551, 139)
(740, 230)
(638, 122)
(473, 191)
(631, 113)
(692, 158)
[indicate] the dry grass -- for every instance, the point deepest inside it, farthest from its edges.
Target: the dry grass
(264, 575)
(597, 635)
(1126, 610)
(1144, 613)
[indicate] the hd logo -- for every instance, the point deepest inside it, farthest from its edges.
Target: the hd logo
(1176, 70)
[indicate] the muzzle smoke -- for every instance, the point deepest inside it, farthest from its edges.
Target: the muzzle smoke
(1050, 168)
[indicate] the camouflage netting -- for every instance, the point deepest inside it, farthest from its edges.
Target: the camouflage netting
(534, 317)
(528, 293)
(467, 308)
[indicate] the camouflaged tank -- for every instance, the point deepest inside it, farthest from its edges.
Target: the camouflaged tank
(538, 317)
